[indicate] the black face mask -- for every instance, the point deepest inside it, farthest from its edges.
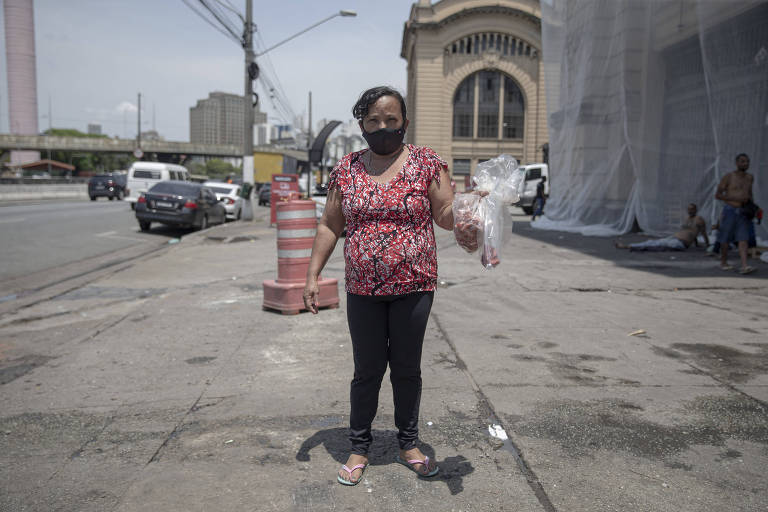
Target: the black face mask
(384, 141)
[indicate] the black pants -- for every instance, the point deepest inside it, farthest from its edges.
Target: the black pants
(388, 329)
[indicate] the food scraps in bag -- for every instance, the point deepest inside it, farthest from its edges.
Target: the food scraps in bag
(482, 217)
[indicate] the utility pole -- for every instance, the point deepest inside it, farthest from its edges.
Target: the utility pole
(251, 71)
(138, 131)
(309, 147)
(50, 132)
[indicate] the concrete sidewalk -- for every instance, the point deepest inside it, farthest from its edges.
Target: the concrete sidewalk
(165, 386)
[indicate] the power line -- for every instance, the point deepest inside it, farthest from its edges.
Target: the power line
(221, 19)
(227, 5)
(278, 91)
(211, 23)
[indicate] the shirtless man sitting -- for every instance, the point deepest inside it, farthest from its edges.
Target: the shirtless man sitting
(735, 190)
(688, 235)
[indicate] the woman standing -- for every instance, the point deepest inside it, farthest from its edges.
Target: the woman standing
(387, 196)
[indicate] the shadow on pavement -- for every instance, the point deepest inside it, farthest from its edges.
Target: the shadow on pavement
(384, 451)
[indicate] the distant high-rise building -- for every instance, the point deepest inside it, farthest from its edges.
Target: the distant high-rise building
(219, 119)
(263, 133)
(94, 129)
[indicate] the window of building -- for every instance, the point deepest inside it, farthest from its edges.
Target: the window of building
(488, 106)
(513, 110)
(461, 166)
(485, 96)
(464, 108)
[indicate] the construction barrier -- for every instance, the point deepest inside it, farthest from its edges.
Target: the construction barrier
(296, 229)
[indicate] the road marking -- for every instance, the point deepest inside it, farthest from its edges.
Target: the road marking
(11, 220)
(107, 233)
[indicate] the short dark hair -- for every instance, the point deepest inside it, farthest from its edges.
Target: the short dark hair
(371, 96)
(741, 155)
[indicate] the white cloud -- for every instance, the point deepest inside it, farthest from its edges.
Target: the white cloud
(126, 106)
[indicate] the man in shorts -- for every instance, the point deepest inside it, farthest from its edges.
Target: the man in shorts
(693, 226)
(735, 190)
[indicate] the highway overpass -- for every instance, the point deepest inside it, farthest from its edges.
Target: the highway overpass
(45, 143)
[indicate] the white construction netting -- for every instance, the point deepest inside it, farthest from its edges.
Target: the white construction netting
(649, 102)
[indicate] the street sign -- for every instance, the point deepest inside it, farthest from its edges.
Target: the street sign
(138, 153)
(284, 188)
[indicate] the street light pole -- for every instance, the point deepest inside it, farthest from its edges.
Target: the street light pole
(343, 12)
(251, 73)
(247, 211)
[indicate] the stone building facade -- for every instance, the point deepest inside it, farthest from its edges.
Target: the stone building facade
(475, 85)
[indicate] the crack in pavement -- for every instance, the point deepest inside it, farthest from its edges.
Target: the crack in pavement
(194, 407)
(530, 475)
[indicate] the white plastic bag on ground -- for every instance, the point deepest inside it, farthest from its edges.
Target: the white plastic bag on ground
(501, 178)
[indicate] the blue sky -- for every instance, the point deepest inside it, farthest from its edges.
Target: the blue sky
(94, 56)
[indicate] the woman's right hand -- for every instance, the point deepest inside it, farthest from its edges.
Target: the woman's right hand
(311, 294)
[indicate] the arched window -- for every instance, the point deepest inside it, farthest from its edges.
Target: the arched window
(488, 105)
(514, 109)
(464, 108)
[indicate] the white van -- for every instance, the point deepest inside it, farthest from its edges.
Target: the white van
(142, 175)
(533, 175)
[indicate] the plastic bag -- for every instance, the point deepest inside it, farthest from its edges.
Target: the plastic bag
(501, 178)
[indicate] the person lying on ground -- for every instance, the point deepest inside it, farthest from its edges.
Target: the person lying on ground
(688, 235)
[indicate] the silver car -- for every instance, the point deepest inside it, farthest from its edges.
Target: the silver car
(229, 196)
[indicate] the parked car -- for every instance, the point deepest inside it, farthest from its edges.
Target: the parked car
(265, 193)
(533, 175)
(179, 203)
(142, 175)
(229, 195)
(106, 185)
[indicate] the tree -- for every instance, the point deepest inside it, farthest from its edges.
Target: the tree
(220, 169)
(86, 162)
(71, 132)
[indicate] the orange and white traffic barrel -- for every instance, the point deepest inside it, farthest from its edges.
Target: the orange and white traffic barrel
(296, 229)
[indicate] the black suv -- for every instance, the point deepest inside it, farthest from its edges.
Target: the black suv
(109, 185)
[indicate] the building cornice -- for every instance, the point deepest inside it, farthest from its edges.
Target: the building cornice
(411, 26)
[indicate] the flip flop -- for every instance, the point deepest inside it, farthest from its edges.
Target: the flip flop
(726, 267)
(344, 481)
(409, 464)
(747, 270)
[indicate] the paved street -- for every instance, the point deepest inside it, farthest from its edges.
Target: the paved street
(623, 381)
(39, 236)
(50, 241)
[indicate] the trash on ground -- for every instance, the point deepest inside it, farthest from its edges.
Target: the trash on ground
(637, 332)
(498, 432)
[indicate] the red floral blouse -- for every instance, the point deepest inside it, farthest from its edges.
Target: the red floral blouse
(390, 245)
